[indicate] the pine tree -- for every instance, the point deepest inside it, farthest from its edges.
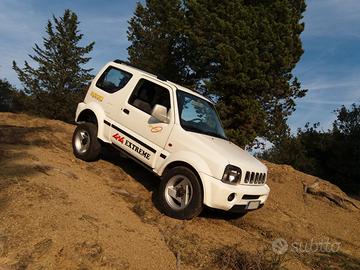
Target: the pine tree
(156, 32)
(6, 95)
(241, 51)
(58, 80)
(333, 155)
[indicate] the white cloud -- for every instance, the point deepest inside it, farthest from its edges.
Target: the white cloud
(337, 84)
(328, 102)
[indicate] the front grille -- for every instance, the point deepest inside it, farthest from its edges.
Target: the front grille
(254, 178)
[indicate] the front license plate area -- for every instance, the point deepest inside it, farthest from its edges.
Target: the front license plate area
(253, 205)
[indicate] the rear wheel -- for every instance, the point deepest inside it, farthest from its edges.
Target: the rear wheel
(85, 143)
(180, 194)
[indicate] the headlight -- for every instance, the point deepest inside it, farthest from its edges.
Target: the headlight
(232, 175)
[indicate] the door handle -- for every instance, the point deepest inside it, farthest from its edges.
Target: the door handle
(126, 111)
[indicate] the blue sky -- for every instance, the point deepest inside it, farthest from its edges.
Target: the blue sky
(22, 24)
(329, 68)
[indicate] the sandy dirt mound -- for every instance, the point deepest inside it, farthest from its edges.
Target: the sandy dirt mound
(57, 212)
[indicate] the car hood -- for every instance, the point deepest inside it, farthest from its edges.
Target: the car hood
(232, 153)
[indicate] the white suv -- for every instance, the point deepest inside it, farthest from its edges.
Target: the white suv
(174, 132)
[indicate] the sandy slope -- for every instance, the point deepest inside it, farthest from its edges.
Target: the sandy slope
(57, 212)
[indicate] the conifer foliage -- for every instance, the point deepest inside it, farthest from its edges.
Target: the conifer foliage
(57, 81)
(240, 51)
(333, 155)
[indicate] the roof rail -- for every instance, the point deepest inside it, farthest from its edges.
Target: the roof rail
(118, 61)
(159, 76)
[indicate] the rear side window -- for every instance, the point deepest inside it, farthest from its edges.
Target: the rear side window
(147, 94)
(113, 79)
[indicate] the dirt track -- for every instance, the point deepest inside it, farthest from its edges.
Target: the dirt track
(57, 212)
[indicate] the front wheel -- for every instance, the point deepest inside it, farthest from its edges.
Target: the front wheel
(85, 143)
(180, 194)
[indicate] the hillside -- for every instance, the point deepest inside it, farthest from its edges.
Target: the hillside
(57, 212)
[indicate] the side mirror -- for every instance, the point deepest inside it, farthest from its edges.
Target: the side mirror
(160, 113)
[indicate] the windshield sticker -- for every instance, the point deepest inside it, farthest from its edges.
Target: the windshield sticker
(97, 96)
(156, 129)
(131, 145)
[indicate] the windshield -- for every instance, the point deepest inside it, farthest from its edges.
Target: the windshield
(198, 115)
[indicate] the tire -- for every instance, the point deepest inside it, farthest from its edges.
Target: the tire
(85, 143)
(180, 194)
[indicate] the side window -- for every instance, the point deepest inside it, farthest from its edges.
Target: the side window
(113, 79)
(147, 94)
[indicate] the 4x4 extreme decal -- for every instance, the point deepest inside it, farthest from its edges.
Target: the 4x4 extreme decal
(131, 145)
(130, 136)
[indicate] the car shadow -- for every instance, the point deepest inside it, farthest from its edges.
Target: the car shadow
(14, 143)
(143, 176)
(151, 182)
(212, 213)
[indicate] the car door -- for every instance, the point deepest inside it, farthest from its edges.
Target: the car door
(141, 134)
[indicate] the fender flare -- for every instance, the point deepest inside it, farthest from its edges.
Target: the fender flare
(100, 117)
(192, 160)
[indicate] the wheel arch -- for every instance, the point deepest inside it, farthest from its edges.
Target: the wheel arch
(93, 113)
(87, 115)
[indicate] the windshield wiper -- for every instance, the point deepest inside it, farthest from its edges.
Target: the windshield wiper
(198, 130)
(214, 134)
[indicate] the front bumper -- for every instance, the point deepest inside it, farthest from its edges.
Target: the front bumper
(216, 194)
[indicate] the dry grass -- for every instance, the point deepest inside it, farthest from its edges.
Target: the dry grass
(337, 260)
(57, 212)
(230, 257)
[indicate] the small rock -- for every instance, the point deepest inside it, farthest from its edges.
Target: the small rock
(90, 250)
(121, 192)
